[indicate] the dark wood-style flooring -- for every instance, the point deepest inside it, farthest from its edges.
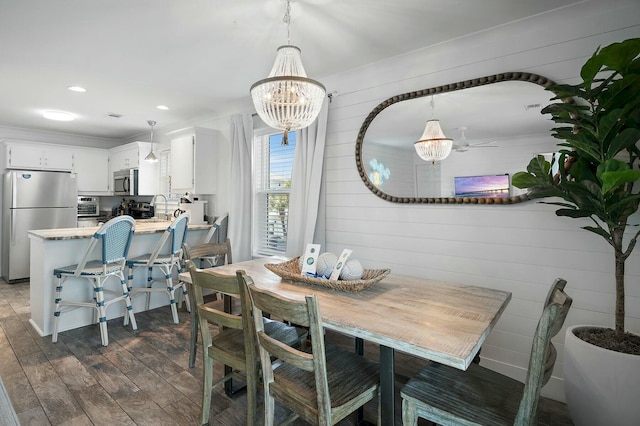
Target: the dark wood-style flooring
(141, 378)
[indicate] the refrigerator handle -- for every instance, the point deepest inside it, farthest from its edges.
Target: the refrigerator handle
(14, 200)
(13, 227)
(14, 185)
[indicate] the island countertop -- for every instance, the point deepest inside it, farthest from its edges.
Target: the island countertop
(142, 227)
(53, 248)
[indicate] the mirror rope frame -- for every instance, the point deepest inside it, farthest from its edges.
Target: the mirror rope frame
(466, 84)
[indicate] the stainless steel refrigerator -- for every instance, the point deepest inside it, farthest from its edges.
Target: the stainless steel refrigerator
(33, 200)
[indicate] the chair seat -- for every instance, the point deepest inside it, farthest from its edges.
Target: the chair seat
(348, 375)
(92, 268)
(144, 258)
(473, 397)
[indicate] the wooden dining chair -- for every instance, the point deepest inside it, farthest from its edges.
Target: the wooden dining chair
(202, 253)
(322, 386)
(234, 345)
(479, 396)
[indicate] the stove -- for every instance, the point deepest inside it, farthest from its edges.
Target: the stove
(141, 210)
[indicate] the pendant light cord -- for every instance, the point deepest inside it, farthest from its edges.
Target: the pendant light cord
(287, 20)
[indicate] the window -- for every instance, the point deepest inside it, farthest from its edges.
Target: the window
(272, 183)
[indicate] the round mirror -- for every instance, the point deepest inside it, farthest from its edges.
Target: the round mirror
(496, 125)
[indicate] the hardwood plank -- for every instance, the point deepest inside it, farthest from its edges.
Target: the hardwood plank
(57, 401)
(101, 408)
(115, 382)
(152, 383)
(22, 396)
(73, 373)
(38, 368)
(144, 411)
(34, 417)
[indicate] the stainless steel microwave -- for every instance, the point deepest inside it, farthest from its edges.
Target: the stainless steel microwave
(125, 182)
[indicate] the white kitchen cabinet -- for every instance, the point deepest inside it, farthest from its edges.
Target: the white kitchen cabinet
(92, 171)
(131, 156)
(35, 156)
(193, 160)
(125, 157)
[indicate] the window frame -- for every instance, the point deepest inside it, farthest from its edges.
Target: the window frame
(259, 220)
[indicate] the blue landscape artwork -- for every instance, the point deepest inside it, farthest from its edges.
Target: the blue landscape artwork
(482, 186)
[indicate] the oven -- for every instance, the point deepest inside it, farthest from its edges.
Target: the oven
(88, 207)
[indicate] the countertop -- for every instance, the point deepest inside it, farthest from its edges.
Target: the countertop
(144, 226)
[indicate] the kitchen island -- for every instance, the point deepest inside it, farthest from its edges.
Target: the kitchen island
(54, 248)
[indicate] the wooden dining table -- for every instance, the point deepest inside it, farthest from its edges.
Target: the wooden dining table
(435, 320)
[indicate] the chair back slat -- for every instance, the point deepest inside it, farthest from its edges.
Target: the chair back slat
(305, 313)
(178, 231)
(226, 284)
(543, 353)
(221, 225)
(199, 251)
(294, 311)
(170, 243)
(219, 317)
(114, 238)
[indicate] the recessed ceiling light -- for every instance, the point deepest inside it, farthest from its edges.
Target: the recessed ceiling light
(77, 89)
(59, 115)
(163, 107)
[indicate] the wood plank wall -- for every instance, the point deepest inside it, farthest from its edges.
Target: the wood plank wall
(520, 248)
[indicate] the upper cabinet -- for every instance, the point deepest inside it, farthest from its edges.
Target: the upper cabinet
(125, 157)
(35, 156)
(193, 160)
(92, 171)
(131, 156)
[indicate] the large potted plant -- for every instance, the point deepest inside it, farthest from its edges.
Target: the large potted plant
(596, 177)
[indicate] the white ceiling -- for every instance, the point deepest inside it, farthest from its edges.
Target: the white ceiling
(196, 56)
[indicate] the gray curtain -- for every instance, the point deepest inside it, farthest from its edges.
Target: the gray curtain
(239, 228)
(306, 183)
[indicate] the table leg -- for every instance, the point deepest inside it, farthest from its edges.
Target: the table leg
(387, 385)
(193, 346)
(228, 385)
(359, 349)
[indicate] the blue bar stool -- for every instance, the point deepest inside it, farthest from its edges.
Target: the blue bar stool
(166, 255)
(114, 239)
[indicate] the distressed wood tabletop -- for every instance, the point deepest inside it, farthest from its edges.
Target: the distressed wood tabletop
(435, 320)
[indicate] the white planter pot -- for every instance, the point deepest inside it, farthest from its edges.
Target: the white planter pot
(601, 386)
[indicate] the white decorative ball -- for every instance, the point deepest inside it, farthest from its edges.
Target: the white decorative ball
(352, 270)
(326, 262)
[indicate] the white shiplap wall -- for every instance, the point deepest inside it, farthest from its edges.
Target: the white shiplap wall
(520, 248)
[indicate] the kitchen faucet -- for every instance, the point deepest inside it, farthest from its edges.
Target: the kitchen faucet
(153, 203)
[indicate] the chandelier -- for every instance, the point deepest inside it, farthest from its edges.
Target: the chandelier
(433, 144)
(151, 157)
(287, 99)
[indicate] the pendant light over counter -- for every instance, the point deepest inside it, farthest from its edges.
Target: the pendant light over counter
(287, 99)
(151, 157)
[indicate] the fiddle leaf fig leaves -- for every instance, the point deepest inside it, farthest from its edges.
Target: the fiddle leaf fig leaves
(599, 174)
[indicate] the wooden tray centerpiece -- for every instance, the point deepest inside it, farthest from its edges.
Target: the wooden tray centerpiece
(290, 270)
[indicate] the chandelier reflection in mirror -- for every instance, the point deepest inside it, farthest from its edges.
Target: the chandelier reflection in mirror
(433, 144)
(288, 99)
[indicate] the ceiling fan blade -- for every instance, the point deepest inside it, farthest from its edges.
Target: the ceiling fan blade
(481, 143)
